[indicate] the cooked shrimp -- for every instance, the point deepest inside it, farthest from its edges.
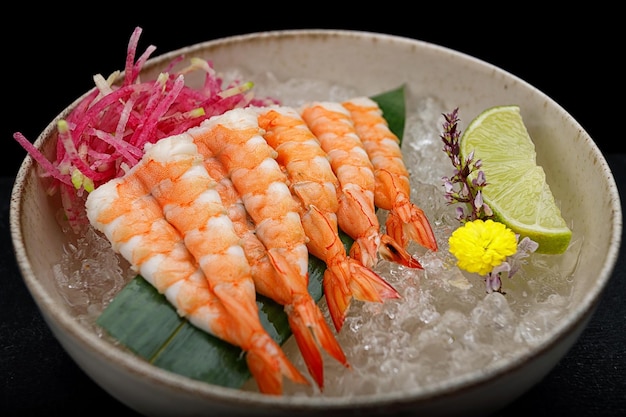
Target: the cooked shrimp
(405, 221)
(263, 272)
(133, 221)
(173, 171)
(235, 139)
(315, 186)
(330, 123)
(302, 310)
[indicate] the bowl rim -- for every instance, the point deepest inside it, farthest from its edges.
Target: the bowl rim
(435, 391)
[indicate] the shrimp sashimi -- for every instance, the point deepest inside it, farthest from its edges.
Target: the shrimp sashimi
(405, 221)
(330, 122)
(173, 171)
(303, 312)
(263, 273)
(315, 186)
(133, 221)
(235, 139)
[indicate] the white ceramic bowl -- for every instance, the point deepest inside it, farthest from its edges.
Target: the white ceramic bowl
(369, 63)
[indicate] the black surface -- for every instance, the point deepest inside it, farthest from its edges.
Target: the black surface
(49, 58)
(48, 61)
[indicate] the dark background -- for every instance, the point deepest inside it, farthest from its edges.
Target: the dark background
(50, 53)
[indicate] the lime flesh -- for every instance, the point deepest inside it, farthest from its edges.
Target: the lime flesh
(517, 190)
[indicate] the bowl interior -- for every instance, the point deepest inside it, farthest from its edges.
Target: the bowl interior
(368, 64)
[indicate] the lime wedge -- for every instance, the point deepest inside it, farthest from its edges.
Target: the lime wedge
(516, 190)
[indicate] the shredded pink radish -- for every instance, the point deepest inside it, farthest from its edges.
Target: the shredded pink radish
(105, 134)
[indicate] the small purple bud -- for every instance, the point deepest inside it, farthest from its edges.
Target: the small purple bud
(460, 214)
(492, 282)
(527, 245)
(464, 189)
(487, 210)
(478, 201)
(480, 179)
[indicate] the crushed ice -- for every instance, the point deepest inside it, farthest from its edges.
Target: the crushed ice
(444, 325)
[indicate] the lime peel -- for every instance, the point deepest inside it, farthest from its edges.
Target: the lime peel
(517, 192)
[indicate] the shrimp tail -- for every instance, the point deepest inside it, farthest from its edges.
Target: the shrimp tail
(345, 277)
(267, 364)
(308, 326)
(338, 295)
(311, 331)
(233, 304)
(365, 250)
(347, 280)
(369, 286)
(392, 251)
(406, 221)
(357, 213)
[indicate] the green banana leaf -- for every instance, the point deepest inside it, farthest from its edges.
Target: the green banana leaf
(144, 322)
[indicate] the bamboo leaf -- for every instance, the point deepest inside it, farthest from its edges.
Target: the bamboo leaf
(143, 321)
(141, 318)
(198, 355)
(393, 105)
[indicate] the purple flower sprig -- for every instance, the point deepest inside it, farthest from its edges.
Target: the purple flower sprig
(475, 250)
(459, 188)
(493, 280)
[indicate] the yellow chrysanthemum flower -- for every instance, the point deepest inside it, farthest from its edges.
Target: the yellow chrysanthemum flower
(480, 245)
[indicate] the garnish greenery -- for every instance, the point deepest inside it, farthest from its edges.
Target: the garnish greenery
(459, 188)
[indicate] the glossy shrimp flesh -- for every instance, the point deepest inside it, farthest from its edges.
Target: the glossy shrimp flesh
(303, 313)
(330, 122)
(405, 222)
(173, 171)
(126, 212)
(315, 186)
(236, 140)
(266, 279)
